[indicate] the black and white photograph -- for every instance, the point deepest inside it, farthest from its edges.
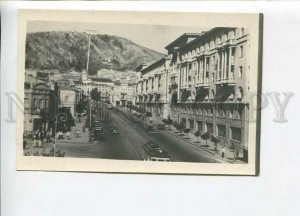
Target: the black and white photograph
(140, 93)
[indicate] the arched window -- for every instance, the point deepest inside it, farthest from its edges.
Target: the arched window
(212, 94)
(240, 93)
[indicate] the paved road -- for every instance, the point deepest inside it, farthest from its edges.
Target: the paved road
(128, 145)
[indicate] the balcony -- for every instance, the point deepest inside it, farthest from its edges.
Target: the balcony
(228, 81)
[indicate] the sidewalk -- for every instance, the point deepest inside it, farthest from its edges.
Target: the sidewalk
(210, 147)
(30, 150)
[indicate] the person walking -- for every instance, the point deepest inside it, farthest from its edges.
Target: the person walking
(68, 135)
(223, 151)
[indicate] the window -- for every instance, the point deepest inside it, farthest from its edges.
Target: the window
(34, 105)
(191, 124)
(41, 105)
(199, 125)
(235, 133)
(237, 114)
(240, 71)
(221, 113)
(242, 32)
(241, 51)
(230, 113)
(26, 103)
(46, 104)
(200, 111)
(209, 127)
(221, 130)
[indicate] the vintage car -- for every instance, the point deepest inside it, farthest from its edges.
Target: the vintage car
(154, 152)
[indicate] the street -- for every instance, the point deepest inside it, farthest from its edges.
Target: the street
(128, 144)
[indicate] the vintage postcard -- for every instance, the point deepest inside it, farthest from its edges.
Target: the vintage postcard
(139, 92)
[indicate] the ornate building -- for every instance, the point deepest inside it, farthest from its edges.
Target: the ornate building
(202, 84)
(39, 104)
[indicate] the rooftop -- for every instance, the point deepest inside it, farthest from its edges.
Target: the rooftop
(182, 40)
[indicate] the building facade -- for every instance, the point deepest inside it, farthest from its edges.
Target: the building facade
(86, 84)
(202, 83)
(151, 90)
(39, 102)
(123, 93)
(212, 85)
(68, 98)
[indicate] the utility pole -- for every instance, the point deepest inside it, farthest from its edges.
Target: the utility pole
(87, 69)
(88, 55)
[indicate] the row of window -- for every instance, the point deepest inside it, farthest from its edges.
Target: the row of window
(37, 103)
(234, 132)
(233, 114)
(213, 43)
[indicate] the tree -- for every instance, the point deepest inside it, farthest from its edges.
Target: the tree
(197, 134)
(205, 136)
(180, 127)
(95, 95)
(215, 140)
(169, 122)
(186, 130)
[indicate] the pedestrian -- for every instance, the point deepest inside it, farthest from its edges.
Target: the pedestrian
(68, 135)
(83, 128)
(34, 139)
(24, 144)
(48, 137)
(223, 151)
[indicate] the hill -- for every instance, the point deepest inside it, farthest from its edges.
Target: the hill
(66, 50)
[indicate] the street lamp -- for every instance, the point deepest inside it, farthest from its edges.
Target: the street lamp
(62, 117)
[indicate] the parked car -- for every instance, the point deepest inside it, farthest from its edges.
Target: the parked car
(160, 126)
(81, 114)
(114, 131)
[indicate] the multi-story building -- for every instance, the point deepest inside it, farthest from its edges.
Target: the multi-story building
(39, 101)
(123, 93)
(104, 86)
(212, 85)
(67, 98)
(151, 90)
(203, 84)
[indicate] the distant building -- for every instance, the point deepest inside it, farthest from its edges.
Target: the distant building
(67, 97)
(123, 94)
(104, 85)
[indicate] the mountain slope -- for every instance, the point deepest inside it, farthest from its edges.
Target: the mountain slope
(66, 50)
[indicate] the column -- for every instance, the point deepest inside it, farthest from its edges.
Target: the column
(186, 74)
(222, 77)
(179, 83)
(218, 67)
(204, 77)
(225, 63)
(229, 67)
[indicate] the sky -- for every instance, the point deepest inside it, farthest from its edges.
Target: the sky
(155, 37)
